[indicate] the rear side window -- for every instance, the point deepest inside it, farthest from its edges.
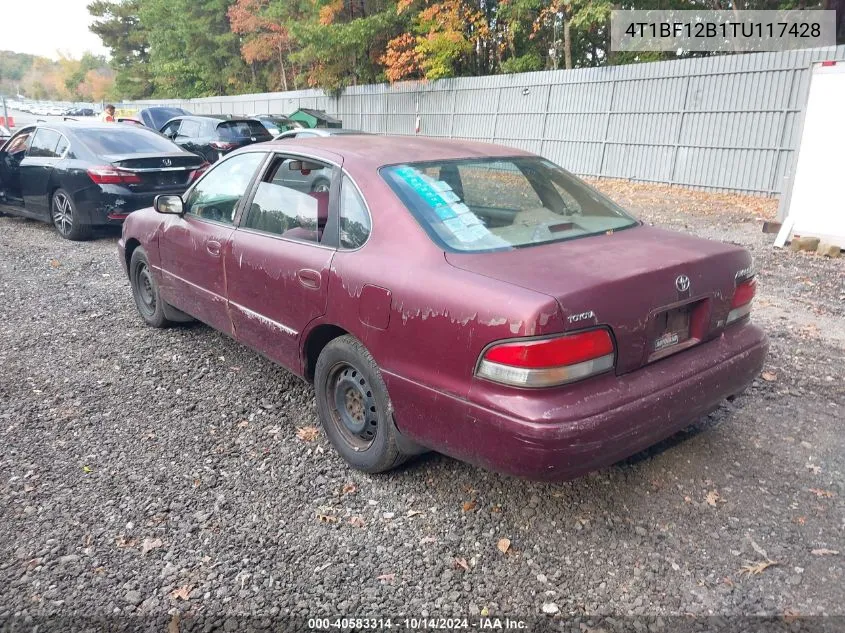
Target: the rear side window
(119, 139)
(241, 129)
(44, 144)
(189, 128)
(354, 220)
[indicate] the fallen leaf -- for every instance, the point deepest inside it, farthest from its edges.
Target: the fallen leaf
(307, 433)
(826, 494)
(386, 577)
(122, 541)
(149, 544)
(753, 569)
(713, 498)
(503, 545)
(86, 469)
(243, 424)
(496, 509)
(173, 625)
(357, 522)
(54, 263)
(413, 513)
(469, 506)
(791, 615)
(462, 563)
(348, 489)
(824, 552)
(181, 593)
(726, 580)
(485, 611)
(800, 520)
(769, 376)
(326, 518)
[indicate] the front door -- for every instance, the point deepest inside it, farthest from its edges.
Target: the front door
(279, 261)
(46, 149)
(192, 246)
(10, 166)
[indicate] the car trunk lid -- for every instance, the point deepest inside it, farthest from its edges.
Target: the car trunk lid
(659, 291)
(158, 171)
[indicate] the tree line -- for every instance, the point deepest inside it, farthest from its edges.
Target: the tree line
(88, 79)
(191, 48)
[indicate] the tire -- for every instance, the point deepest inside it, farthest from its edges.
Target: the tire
(354, 407)
(66, 218)
(145, 290)
(320, 185)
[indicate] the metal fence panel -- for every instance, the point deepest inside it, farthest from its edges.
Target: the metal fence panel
(726, 123)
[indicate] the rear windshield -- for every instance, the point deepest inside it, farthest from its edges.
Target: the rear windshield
(125, 139)
(241, 129)
(488, 204)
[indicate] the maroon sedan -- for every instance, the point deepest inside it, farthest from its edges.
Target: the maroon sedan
(460, 297)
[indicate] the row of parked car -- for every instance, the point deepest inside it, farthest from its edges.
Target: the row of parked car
(80, 174)
(53, 109)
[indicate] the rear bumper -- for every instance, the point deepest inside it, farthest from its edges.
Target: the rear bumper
(112, 204)
(562, 433)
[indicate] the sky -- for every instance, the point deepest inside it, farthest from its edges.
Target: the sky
(55, 25)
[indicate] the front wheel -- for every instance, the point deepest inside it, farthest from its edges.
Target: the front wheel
(66, 218)
(145, 290)
(354, 407)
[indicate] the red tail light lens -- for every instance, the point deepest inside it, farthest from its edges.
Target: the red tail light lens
(199, 171)
(107, 175)
(222, 145)
(743, 296)
(550, 361)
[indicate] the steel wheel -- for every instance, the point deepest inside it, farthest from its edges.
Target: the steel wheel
(146, 291)
(352, 406)
(62, 214)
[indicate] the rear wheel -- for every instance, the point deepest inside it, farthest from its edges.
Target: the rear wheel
(145, 290)
(354, 407)
(66, 217)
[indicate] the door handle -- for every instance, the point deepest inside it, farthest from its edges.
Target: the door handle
(309, 278)
(213, 248)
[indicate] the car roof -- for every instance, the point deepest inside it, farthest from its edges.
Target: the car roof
(83, 125)
(374, 151)
(215, 117)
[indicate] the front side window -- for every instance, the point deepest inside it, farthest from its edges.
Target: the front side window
(354, 220)
(18, 144)
(44, 144)
(217, 195)
(486, 204)
(290, 200)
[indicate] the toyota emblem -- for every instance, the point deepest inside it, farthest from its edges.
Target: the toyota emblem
(166, 162)
(682, 283)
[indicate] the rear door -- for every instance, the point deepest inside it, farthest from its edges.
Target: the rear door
(192, 246)
(46, 149)
(278, 264)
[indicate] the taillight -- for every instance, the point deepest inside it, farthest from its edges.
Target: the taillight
(113, 176)
(222, 145)
(549, 361)
(743, 296)
(199, 171)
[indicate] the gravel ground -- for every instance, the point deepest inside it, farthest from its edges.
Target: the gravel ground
(145, 473)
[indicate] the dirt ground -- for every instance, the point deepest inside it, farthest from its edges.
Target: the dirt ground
(145, 473)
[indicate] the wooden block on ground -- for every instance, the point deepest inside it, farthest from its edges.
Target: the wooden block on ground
(828, 250)
(804, 244)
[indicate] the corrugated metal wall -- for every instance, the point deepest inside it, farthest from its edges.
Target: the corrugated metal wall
(728, 123)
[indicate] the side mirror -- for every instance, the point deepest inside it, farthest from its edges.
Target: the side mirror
(169, 204)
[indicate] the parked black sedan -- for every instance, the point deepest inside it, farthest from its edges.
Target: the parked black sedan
(214, 136)
(79, 175)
